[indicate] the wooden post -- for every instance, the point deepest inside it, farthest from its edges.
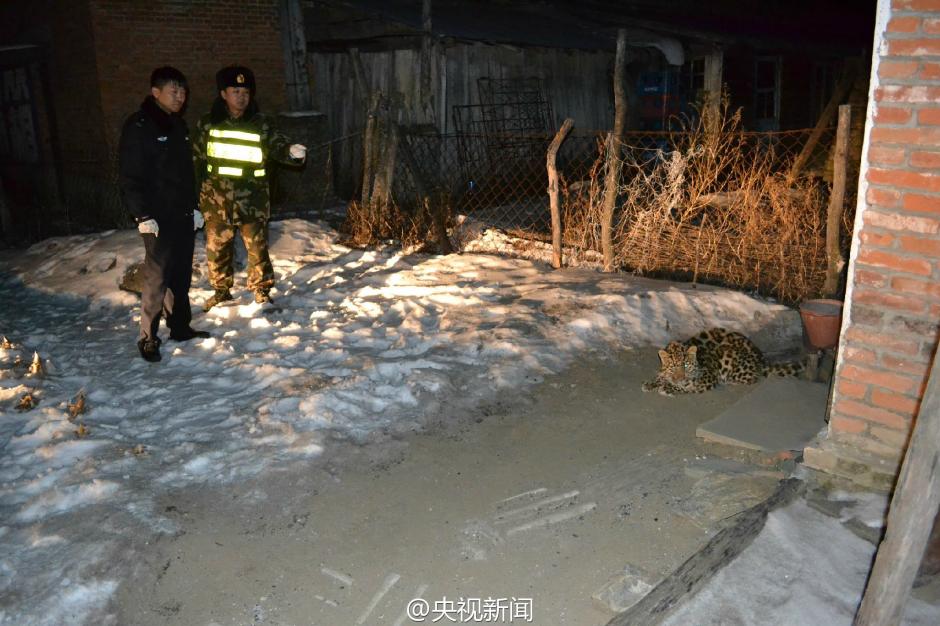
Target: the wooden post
(913, 509)
(839, 94)
(614, 141)
(427, 47)
(368, 148)
(554, 191)
(294, 41)
(837, 202)
(714, 62)
(385, 165)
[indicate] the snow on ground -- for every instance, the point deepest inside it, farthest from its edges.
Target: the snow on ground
(803, 568)
(362, 345)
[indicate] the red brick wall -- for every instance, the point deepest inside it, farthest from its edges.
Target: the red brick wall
(196, 36)
(74, 80)
(893, 302)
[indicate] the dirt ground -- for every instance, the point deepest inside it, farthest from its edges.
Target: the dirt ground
(544, 497)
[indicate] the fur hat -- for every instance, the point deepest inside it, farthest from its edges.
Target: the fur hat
(235, 76)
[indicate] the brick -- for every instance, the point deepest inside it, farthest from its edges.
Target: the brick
(870, 278)
(927, 160)
(894, 402)
(930, 117)
(871, 414)
(927, 136)
(879, 378)
(906, 24)
(881, 240)
(895, 221)
(915, 5)
(888, 198)
(929, 71)
(918, 327)
(921, 245)
(897, 69)
(852, 390)
(914, 366)
(849, 425)
(921, 203)
(882, 155)
(908, 94)
(896, 302)
(916, 287)
(887, 341)
(931, 26)
(876, 447)
(860, 355)
(925, 181)
(913, 47)
(820, 459)
(879, 258)
(866, 316)
(894, 438)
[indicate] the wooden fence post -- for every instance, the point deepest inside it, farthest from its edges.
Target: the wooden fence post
(837, 203)
(554, 191)
(614, 141)
(427, 49)
(294, 41)
(368, 148)
(913, 509)
(385, 164)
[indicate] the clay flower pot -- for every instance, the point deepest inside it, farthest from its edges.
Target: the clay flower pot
(822, 320)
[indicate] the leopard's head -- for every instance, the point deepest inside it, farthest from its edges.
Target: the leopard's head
(678, 363)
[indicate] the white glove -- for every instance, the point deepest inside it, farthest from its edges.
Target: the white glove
(198, 220)
(298, 151)
(149, 227)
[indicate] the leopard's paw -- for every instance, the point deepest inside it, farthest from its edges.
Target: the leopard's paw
(650, 385)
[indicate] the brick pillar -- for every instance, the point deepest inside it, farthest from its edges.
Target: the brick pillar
(892, 308)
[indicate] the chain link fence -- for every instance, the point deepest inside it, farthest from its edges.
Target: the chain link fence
(501, 178)
(740, 220)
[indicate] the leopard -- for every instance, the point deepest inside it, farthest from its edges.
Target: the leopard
(713, 357)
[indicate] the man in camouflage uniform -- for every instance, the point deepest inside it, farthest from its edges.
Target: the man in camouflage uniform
(233, 145)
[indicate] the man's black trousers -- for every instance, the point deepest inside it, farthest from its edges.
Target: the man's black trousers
(167, 275)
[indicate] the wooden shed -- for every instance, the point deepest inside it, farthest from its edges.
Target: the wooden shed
(433, 68)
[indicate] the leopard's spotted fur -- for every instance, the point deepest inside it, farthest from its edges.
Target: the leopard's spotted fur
(710, 358)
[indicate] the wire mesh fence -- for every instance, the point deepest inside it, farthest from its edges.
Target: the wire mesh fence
(501, 178)
(722, 209)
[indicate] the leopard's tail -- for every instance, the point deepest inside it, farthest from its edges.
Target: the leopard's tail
(792, 369)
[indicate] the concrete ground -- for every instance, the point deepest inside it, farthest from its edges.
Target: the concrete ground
(546, 497)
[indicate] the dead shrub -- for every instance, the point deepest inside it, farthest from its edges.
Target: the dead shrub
(715, 207)
(376, 223)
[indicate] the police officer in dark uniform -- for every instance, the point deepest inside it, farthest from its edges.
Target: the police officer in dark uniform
(158, 187)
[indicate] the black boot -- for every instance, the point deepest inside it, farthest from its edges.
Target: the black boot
(189, 333)
(149, 349)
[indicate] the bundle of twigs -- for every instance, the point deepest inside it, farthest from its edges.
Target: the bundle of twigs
(715, 207)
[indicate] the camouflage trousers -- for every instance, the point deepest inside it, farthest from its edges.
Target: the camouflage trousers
(220, 254)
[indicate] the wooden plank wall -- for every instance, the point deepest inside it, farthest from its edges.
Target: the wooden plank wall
(577, 83)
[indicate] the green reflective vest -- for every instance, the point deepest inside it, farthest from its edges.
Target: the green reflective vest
(234, 153)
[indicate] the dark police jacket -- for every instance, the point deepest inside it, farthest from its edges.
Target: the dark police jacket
(155, 168)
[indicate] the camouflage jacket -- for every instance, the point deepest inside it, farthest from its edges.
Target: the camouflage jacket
(245, 199)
